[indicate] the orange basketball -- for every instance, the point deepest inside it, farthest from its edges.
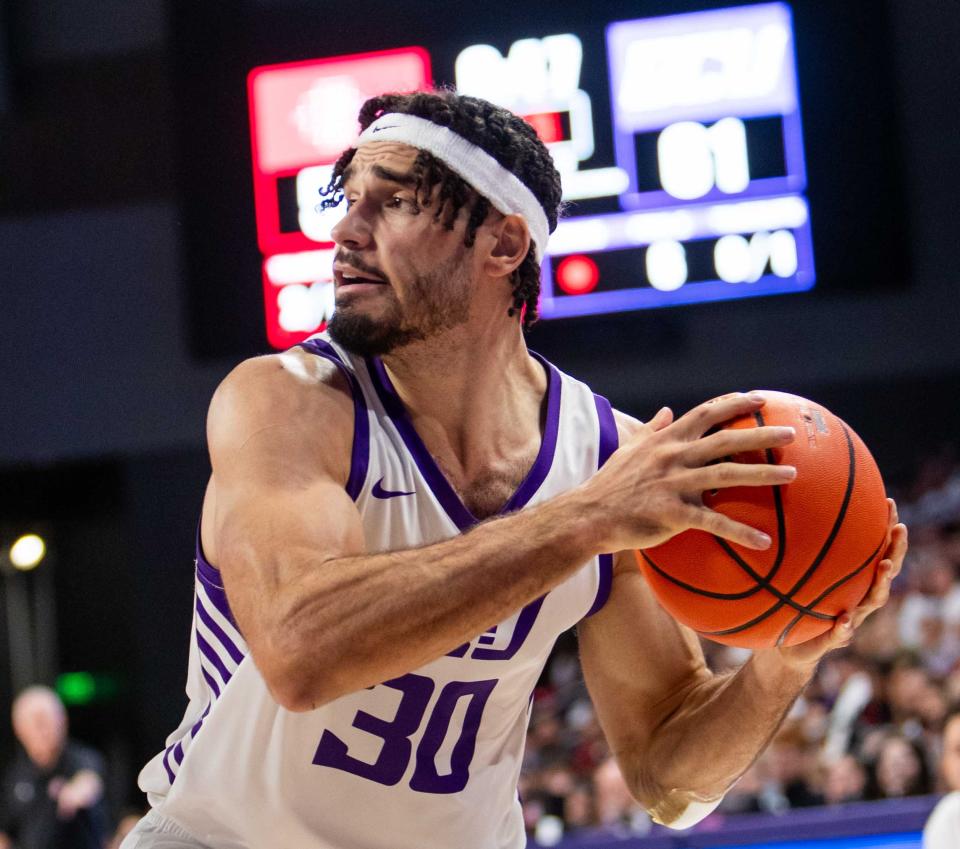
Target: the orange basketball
(828, 528)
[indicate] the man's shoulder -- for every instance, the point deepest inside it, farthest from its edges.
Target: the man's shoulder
(274, 388)
(293, 409)
(291, 373)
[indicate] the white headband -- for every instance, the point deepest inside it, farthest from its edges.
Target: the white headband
(498, 185)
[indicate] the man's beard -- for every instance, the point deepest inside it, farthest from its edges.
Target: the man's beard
(437, 301)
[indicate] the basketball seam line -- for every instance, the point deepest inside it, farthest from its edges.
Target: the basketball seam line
(829, 590)
(828, 543)
(763, 582)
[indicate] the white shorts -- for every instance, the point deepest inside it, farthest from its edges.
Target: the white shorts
(156, 832)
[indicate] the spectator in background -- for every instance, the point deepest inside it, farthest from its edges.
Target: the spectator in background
(617, 811)
(845, 781)
(943, 828)
(52, 794)
(900, 769)
(790, 767)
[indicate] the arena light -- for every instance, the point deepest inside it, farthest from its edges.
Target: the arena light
(76, 688)
(577, 275)
(27, 552)
(81, 687)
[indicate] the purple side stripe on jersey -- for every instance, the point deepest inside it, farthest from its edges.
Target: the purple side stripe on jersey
(218, 598)
(436, 480)
(609, 442)
(211, 655)
(212, 582)
(177, 749)
(199, 722)
(211, 681)
(360, 454)
(225, 642)
(166, 764)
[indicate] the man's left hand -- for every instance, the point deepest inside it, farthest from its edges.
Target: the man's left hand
(808, 653)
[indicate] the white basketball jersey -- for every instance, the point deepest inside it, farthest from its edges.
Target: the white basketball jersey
(429, 760)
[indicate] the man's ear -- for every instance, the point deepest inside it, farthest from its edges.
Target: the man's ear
(510, 248)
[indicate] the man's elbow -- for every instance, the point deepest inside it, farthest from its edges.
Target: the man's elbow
(674, 807)
(684, 811)
(296, 684)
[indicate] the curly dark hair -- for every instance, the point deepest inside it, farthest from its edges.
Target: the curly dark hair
(505, 136)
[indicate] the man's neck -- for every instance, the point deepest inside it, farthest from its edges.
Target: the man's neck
(474, 395)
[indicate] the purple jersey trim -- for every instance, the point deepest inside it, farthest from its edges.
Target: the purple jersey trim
(177, 748)
(225, 642)
(212, 582)
(208, 651)
(609, 442)
(166, 764)
(360, 454)
(210, 680)
(435, 479)
(209, 576)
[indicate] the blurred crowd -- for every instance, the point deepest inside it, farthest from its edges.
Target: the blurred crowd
(869, 726)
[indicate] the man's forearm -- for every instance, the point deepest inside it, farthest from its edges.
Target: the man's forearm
(717, 730)
(352, 622)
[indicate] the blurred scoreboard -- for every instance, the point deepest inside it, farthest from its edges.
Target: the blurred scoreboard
(698, 194)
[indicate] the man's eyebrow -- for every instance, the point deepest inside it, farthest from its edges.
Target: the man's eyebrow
(388, 174)
(391, 176)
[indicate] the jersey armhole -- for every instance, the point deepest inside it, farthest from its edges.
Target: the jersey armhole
(608, 443)
(360, 452)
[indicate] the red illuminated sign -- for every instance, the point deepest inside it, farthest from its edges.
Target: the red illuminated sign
(302, 116)
(577, 275)
(549, 126)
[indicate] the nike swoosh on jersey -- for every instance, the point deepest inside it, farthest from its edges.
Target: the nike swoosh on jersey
(379, 492)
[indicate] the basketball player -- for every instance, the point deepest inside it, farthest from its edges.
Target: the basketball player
(405, 513)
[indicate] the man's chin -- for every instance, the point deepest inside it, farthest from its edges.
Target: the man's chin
(365, 337)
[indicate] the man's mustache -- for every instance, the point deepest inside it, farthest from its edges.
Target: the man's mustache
(354, 260)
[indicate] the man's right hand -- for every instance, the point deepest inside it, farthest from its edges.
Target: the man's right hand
(651, 488)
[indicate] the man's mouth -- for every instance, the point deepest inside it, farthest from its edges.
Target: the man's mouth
(350, 282)
(354, 280)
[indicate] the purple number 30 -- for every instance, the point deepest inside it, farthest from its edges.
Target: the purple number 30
(394, 756)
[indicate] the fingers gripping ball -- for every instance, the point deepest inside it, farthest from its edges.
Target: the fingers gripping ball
(828, 527)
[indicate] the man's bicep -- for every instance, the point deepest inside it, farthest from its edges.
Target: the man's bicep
(277, 549)
(276, 509)
(638, 662)
(263, 528)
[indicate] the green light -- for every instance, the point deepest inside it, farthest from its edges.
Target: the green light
(76, 688)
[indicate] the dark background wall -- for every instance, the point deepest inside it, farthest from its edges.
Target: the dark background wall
(93, 317)
(103, 401)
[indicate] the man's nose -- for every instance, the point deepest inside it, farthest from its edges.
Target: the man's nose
(353, 230)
